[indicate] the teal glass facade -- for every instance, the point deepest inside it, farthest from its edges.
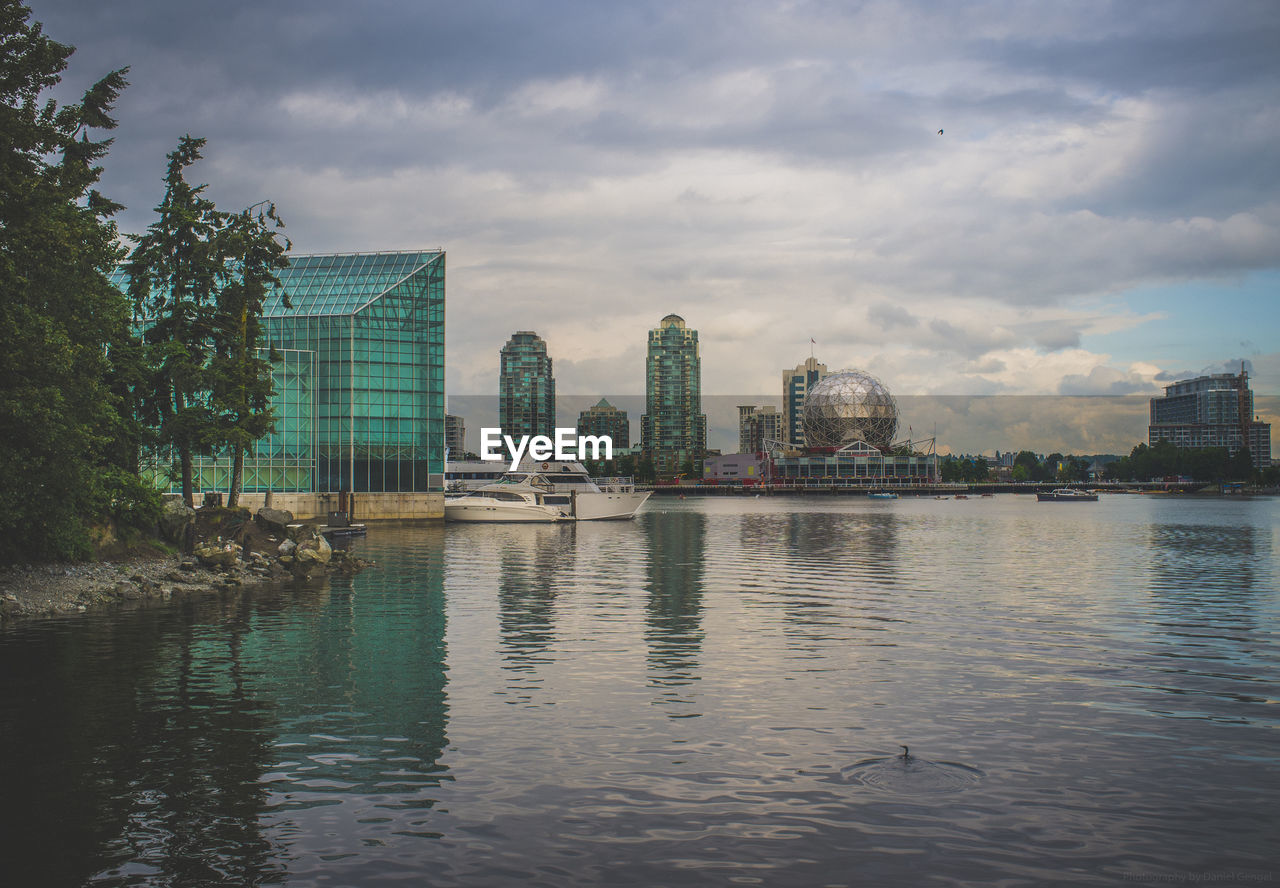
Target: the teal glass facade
(673, 429)
(526, 387)
(359, 394)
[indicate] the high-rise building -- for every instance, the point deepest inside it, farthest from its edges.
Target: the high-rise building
(1211, 411)
(758, 425)
(673, 429)
(605, 419)
(795, 385)
(526, 387)
(455, 436)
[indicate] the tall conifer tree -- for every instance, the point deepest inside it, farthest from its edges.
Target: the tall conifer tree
(174, 275)
(241, 384)
(62, 324)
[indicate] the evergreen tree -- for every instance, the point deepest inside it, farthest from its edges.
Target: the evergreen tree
(241, 385)
(62, 325)
(174, 275)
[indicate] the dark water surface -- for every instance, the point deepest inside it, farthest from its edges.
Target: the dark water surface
(712, 694)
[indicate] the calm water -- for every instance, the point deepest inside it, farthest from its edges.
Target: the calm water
(712, 694)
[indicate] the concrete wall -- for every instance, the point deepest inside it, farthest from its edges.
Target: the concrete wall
(368, 506)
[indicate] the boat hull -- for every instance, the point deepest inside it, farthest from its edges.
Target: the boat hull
(516, 513)
(608, 506)
(1061, 498)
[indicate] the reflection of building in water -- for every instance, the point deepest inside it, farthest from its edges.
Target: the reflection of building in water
(379, 658)
(676, 551)
(531, 558)
(841, 568)
(1210, 564)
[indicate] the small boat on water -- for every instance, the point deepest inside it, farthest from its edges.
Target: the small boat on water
(1067, 495)
(883, 494)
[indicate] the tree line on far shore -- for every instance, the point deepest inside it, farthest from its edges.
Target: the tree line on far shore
(92, 377)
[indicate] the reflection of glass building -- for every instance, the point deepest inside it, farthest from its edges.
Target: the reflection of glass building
(673, 429)
(359, 392)
(1211, 411)
(526, 387)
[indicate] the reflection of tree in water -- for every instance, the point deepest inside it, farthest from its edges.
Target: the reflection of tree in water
(138, 754)
(531, 557)
(676, 549)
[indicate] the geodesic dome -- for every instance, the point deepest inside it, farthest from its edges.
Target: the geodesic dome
(849, 406)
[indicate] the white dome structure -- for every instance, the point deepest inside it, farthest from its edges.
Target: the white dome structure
(847, 407)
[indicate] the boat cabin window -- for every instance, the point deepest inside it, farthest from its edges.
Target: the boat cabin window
(503, 495)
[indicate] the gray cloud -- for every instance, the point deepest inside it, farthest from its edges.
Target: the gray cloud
(772, 172)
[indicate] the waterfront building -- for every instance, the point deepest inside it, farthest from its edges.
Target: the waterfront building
(1211, 411)
(758, 425)
(736, 468)
(673, 429)
(795, 386)
(526, 387)
(455, 436)
(857, 464)
(359, 384)
(605, 419)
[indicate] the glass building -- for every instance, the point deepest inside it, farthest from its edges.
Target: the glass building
(673, 429)
(795, 387)
(1211, 411)
(359, 387)
(605, 419)
(526, 387)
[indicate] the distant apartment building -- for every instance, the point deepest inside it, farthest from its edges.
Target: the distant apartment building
(673, 429)
(758, 425)
(1211, 411)
(455, 436)
(526, 387)
(605, 419)
(795, 385)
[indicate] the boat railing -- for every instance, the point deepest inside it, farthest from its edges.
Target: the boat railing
(606, 485)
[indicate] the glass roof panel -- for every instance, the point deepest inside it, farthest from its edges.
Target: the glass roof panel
(332, 283)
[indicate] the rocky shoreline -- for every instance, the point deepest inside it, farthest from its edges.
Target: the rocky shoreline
(229, 549)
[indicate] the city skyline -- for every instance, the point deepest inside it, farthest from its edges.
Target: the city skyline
(1098, 215)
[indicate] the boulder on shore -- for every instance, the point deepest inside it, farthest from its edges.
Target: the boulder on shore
(274, 521)
(315, 548)
(218, 553)
(175, 517)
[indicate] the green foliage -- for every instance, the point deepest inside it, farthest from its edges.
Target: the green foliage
(64, 330)
(173, 276)
(201, 276)
(240, 381)
(1164, 460)
(964, 470)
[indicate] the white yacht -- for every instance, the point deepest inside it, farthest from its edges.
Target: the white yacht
(547, 491)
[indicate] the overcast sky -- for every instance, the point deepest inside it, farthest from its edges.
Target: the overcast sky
(1100, 213)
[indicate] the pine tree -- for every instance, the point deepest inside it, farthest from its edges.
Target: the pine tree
(174, 275)
(241, 385)
(62, 325)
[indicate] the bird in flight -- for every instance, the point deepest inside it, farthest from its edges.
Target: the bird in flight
(939, 132)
